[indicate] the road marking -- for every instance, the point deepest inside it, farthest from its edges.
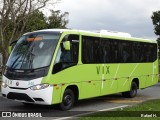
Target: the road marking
(113, 108)
(125, 101)
(64, 118)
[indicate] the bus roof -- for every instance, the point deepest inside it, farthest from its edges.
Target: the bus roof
(101, 33)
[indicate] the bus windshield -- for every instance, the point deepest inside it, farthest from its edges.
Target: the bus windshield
(33, 50)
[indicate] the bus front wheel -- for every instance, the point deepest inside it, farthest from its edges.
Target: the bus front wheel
(133, 91)
(68, 100)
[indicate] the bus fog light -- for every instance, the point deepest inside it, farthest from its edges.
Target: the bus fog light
(39, 87)
(4, 85)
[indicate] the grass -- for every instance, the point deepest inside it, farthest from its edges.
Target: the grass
(129, 113)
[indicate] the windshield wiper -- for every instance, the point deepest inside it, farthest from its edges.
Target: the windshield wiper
(30, 60)
(15, 61)
(29, 56)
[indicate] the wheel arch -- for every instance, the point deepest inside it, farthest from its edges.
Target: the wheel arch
(136, 80)
(75, 90)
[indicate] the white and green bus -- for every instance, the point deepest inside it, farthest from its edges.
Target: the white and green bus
(61, 66)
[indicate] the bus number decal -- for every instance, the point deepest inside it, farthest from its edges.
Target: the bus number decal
(30, 83)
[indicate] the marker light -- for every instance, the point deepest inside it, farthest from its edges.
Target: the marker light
(39, 87)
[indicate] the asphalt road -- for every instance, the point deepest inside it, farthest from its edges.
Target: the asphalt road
(81, 107)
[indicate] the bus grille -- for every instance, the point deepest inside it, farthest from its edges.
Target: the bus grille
(19, 96)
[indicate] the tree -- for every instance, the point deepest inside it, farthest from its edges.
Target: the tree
(156, 22)
(14, 14)
(37, 20)
(58, 19)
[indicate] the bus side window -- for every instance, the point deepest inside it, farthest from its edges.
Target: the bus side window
(67, 58)
(125, 52)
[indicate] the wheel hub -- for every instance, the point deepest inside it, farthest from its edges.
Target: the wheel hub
(67, 100)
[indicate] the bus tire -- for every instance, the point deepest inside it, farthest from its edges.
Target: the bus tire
(67, 100)
(133, 91)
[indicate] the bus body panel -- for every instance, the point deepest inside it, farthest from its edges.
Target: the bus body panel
(22, 89)
(91, 81)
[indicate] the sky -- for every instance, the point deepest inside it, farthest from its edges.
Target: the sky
(131, 16)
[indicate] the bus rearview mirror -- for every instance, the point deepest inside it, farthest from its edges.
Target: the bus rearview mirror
(67, 45)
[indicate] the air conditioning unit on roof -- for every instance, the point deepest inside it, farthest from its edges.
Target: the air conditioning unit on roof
(115, 33)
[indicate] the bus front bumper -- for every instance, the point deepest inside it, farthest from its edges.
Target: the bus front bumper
(42, 96)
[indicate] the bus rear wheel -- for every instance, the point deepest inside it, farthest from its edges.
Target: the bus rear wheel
(67, 100)
(133, 91)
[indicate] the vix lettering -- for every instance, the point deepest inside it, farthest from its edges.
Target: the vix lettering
(103, 69)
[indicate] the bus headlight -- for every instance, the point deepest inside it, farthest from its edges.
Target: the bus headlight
(39, 87)
(4, 85)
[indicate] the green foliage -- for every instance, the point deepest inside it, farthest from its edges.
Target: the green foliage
(36, 21)
(57, 20)
(156, 22)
